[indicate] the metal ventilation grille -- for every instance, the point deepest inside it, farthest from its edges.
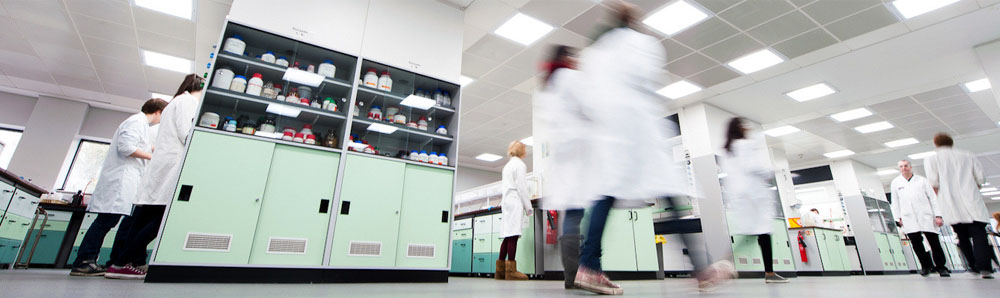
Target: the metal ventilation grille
(420, 251)
(743, 260)
(757, 261)
(210, 242)
(365, 249)
(788, 262)
(286, 245)
(775, 261)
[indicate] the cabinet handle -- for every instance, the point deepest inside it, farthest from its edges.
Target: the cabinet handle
(185, 194)
(324, 205)
(444, 216)
(21, 198)
(630, 216)
(345, 207)
(6, 191)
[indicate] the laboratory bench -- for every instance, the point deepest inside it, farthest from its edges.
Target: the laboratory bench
(19, 201)
(825, 253)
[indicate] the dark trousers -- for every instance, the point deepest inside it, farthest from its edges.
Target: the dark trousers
(972, 243)
(590, 256)
(142, 232)
(764, 240)
(917, 240)
(571, 225)
(90, 247)
(121, 238)
(508, 248)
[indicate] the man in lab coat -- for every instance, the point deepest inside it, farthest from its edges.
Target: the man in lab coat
(116, 187)
(915, 208)
(956, 177)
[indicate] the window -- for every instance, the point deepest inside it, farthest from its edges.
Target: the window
(8, 142)
(86, 166)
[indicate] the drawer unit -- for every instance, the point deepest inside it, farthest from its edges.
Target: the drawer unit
(6, 192)
(59, 216)
(497, 222)
(462, 224)
(497, 240)
(461, 256)
(482, 243)
(483, 263)
(23, 204)
(461, 235)
(482, 225)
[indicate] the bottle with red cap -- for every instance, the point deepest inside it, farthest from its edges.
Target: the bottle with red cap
(255, 85)
(299, 138)
(422, 123)
(371, 78)
(288, 136)
(385, 82)
(310, 139)
(307, 129)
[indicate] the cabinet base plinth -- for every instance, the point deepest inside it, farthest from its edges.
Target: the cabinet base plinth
(760, 274)
(893, 272)
(824, 273)
(203, 274)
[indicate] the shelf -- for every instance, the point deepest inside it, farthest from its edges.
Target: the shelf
(401, 160)
(398, 99)
(259, 138)
(232, 95)
(271, 66)
(409, 130)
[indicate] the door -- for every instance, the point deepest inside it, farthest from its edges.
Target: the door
(214, 211)
(781, 251)
(826, 256)
(645, 240)
(526, 246)
(367, 223)
(482, 243)
(897, 252)
(745, 249)
(884, 251)
(295, 213)
(618, 245)
(461, 256)
(424, 224)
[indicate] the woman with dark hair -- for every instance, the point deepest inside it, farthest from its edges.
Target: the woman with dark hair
(160, 178)
(748, 198)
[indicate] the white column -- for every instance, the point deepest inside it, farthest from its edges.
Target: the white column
(48, 137)
(989, 56)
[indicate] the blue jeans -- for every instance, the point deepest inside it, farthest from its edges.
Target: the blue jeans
(90, 247)
(590, 256)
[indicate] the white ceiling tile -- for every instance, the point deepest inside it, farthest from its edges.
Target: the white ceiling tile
(876, 36)
(4, 81)
(488, 15)
(85, 72)
(495, 48)
(690, 65)
(530, 86)
(166, 45)
(105, 30)
(561, 36)
(714, 76)
(85, 94)
(70, 81)
(782, 28)
(165, 24)
(161, 79)
(752, 13)
(34, 33)
(705, 33)
(484, 90)
(117, 11)
(16, 44)
(32, 85)
(938, 94)
(805, 43)
(507, 77)
(732, 48)
(828, 11)
(556, 12)
(130, 91)
(107, 65)
(46, 13)
(57, 54)
(675, 50)
(530, 60)
(515, 98)
(863, 22)
(17, 65)
(587, 23)
(471, 36)
(122, 52)
(494, 108)
(473, 119)
(717, 5)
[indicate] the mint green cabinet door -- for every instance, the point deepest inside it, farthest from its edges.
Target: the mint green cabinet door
(526, 246)
(897, 252)
(295, 213)
(781, 252)
(223, 182)
(823, 242)
(424, 221)
(618, 245)
(745, 251)
(645, 240)
(884, 251)
(367, 220)
(482, 243)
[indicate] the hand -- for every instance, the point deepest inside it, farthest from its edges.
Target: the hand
(938, 221)
(527, 212)
(152, 148)
(899, 223)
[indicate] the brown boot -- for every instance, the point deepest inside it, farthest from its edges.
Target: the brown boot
(512, 273)
(501, 271)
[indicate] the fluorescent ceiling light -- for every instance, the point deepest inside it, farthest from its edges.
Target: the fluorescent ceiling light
(813, 92)
(780, 131)
(167, 62)
(978, 85)
(995, 198)
(921, 155)
(382, 128)
(912, 8)
(529, 141)
(675, 17)
(851, 115)
(177, 8)
(992, 193)
(283, 110)
(523, 29)
(887, 172)
(801, 190)
(489, 157)
(464, 80)
(837, 154)
(759, 60)
(988, 189)
(902, 142)
(723, 175)
(160, 96)
(419, 102)
(303, 77)
(877, 126)
(679, 89)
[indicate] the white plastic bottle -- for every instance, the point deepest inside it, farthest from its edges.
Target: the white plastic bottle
(414, 156)
(327, 69)
(447, 99)
(371, 79)
(235, 45)
(267, 57)
(443, 159)
(423, 156)
(239, 84)
(422, 123)
(255, 85)
(385, 82)
(282, 61)
(432, 158)
(441, 130)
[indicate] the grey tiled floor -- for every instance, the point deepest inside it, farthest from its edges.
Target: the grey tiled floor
(57, 283)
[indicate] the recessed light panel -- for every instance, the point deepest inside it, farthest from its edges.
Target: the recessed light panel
(991, 193)
(921, 155)
(811, 92)
(988, 189)
(851, 115)
(489, 157)
(837, 154)
(160, 96)
(529, 141)
(167, 62)
(877, 126)
(978, 85)
(780, 131)
(912, 8)
(177, 8)
(523, 29)
(902, 142)
(757, 61)
(675, 17)
(464, 80)
(887, 172)
(679, 89)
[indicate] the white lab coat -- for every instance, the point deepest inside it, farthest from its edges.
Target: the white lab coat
(566, 133)
(811, 219)
(749, 200)
(120, 173)
(515, 203)
(160, 180)
(958, 175)
(632, 156)
(914, 204)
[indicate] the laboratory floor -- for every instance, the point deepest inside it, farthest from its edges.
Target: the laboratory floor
(57, 283)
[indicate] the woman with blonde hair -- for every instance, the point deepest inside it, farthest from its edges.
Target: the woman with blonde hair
(514, 205)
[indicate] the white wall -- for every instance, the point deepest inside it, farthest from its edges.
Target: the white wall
(15, 109)
(101, 123)
(471, 178)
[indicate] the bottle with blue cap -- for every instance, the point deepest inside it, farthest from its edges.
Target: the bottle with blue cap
(239, 84)
(267, 57)
(327, 69)
(442, 159)
(281, 61)
(414, 156)
(423, 156)
(438, 97)
(441, 130)
(234, 45)
(432, 158)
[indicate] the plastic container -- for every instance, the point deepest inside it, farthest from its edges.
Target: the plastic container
(289, 130)
(441, 130)
(311, 68)
(249, 128)
(292, 97)
(438, 97)
(307, 129)
(316, 104)
(269, 125)
(369, 149)
(305, 92)
(385, 82)
(255, 85)
(267, 57)
(327, 69)
(279, 98)
(411, 124)
(399, 119)
(357, 109)
(288, 136)
(239, 84)
(414, 155)
(223, 78)
(299, 138)
(235, 45)
(311, 139)
(304, 101)
(432, 158)
(375, 113)
(390, 113)
(281, 61)
(209, 119)
(371, 78)
(423, 157)
(419, 92)
(277, 90)
(229, 124)
(443, 159)
(422, 123)
(329, 104)
(447, 99)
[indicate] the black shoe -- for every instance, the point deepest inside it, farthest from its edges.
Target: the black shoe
(944, 272)
(925, 273)
(88, 268)
(986, 274)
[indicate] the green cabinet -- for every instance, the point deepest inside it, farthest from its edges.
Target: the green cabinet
(214, 211)
(295, 212)
(629, 241)
(367, 226)
(885, 251)
(747, 255)
(424, 223)
(781, 251)
(482, 243)
(898, 257)
(461, 256)
(483, 263)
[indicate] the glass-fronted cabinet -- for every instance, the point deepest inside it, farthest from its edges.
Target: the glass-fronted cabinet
(887, 220)
(875, 215)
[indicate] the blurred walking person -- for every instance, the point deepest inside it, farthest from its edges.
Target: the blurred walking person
(514, 206)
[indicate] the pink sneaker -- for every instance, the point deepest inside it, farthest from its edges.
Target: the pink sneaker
(715, 275)
(125, 272)
(597, 282)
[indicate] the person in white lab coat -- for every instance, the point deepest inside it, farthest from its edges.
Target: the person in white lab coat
(956, 176)
(160, 180)
(514, 206)
(118, 182)
(914, 205)
(748, 197)
(812, 219)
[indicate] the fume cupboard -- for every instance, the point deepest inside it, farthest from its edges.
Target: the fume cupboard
(311, 212)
